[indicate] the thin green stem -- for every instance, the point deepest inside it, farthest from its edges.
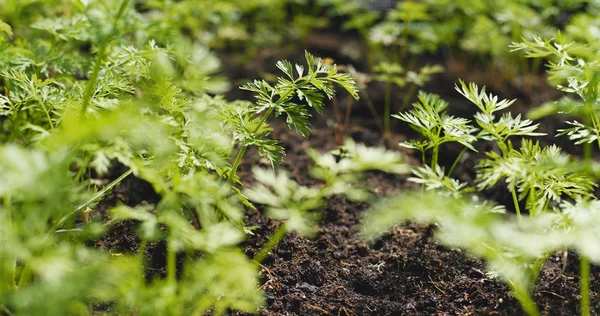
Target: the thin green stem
(504, 147)
(104, 190)
(91, 85)
(236, 163)
(538, 264)
(171, 265)
(455, 163)
(271, 243)
(404, 36)
(172, 279)
(94, 198)
(5, 310)
(386, 109)
(141, 250)
(588, 151)
(11, 272)
(532, 199)
(47, 114)
(83, 168)
(434, 156)
(524, 297)
(408, 96)
(584, 262)
(25, 275)
(516, 203)
(584, 275)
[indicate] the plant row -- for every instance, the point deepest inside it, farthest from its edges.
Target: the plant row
(88, 85)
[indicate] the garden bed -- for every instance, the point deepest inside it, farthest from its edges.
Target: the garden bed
(338, 273)
(299, 158)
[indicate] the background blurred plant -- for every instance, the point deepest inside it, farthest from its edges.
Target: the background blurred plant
(466, 35)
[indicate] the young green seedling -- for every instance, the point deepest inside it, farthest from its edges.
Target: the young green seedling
(573, 68)
(543, 177)
(429, 118)
(310, 86)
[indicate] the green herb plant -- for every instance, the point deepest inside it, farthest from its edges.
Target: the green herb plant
(309, 86)
(243, 26)
(394, 75)
(67, 116)
(468, 26)
(81, 97)
(541, 178)
(573, 70)
(393, 44)
(400, 39)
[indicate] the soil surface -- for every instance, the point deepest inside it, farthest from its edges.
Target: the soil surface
(404, 273)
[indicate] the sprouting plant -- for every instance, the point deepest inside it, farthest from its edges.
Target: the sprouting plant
(68, 113)
(391, 38)
(390, 74)
(503, 21)
(572, 68)
(498, 130)
(429, 118)
(297, 205)
(293, 96)
(436, 179)
(394, 43)
(537, 174)
(543, 177)
(393, 74)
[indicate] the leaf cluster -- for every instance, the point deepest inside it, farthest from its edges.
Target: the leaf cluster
(146, 107)
(429, 118)
(294, 95)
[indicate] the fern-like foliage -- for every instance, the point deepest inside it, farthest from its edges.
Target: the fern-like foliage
(573, 68)
(580, 133)
(436, 180)
(537, 173)
(428, 117)
(308, 85)
(493, 128)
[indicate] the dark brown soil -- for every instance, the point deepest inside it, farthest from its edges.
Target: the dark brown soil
(404, 273)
